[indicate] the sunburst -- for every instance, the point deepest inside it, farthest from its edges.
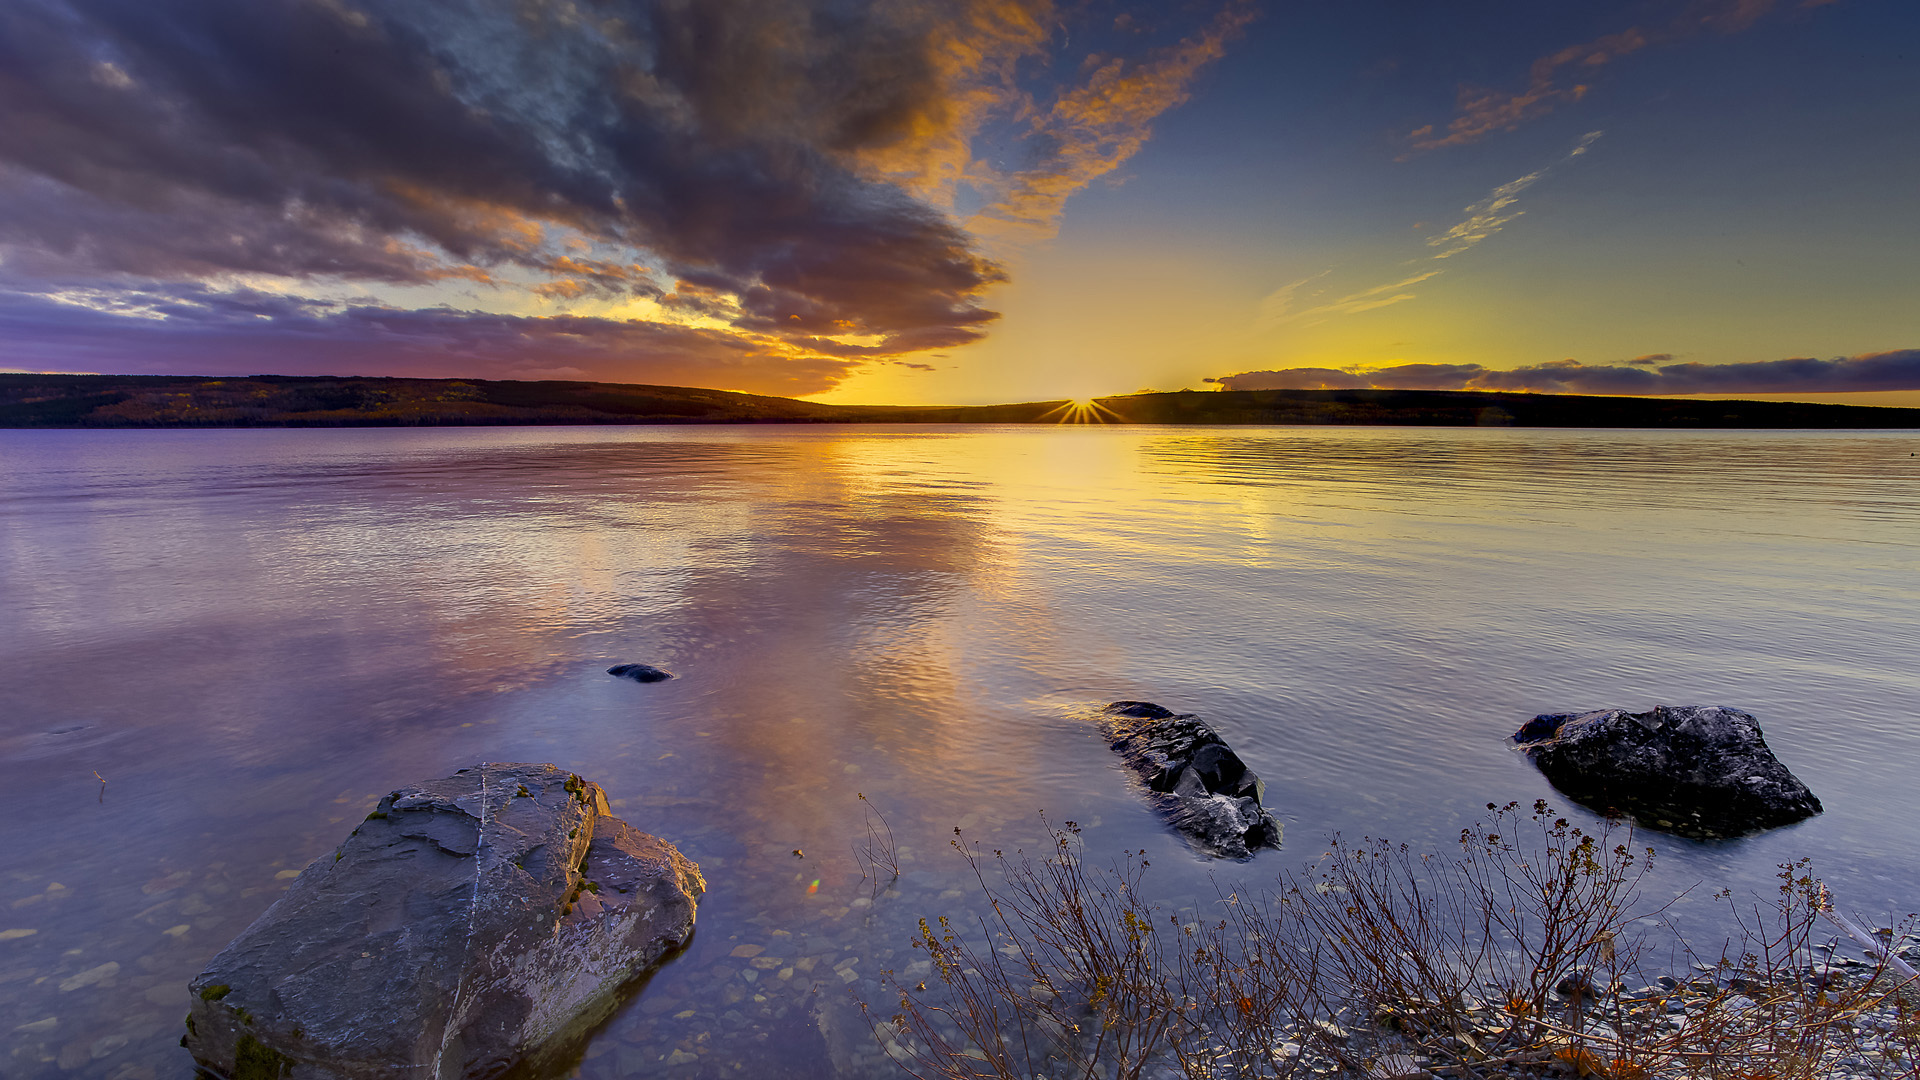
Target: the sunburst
(1087, 411)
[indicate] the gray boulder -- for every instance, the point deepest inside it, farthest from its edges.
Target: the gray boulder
(1199, 783)
(469, 924)
(1695, 770)
(640, 672)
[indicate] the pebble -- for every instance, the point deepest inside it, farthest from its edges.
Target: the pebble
(168, 993)
(91, 976)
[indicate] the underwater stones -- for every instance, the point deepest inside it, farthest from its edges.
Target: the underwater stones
(640, 672)
(1695, 770)
(1200, 784)
(468, 924)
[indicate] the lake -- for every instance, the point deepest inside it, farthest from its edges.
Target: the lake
(221, 647)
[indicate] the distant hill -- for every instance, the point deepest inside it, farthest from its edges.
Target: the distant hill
(1460, 408)
(146, 401)
(173, 401)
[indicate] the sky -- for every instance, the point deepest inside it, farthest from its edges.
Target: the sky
(970, 201)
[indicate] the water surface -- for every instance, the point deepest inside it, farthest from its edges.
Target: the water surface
(252, 635)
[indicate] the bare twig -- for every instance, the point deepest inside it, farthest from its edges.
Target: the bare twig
(879, 853)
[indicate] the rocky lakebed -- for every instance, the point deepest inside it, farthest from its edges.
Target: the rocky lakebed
(487, 923)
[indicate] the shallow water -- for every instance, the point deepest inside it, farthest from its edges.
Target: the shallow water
(252, 635)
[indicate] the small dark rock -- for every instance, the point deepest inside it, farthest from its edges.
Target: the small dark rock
(640, 672)
(1199, 783)
(1702, 771)
(1577, 983)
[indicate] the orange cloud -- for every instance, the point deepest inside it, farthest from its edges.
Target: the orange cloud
(1099, 125)
(578, 277)
(563, 289)
(974, 53)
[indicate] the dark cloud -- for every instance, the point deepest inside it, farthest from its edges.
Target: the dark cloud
(1421, 376)
(190, 329)
(785, 157)
(304, 137)
(1896, 370)
(1301, 378)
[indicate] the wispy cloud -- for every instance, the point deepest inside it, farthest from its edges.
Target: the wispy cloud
(1379, 296)
(1490, 214)
(1563, 76)
(1294, 302)
(1277, 305)
(1648, 375)
(1093, 129)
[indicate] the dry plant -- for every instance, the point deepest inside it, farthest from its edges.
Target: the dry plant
(1766, 1009)
(1064, 979)
(1480, 957)
(879, 857)
(1253, 1000)
(1528, 948)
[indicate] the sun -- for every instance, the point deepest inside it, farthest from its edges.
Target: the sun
(1082, 411)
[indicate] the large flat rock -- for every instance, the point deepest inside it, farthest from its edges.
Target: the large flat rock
(469, 924)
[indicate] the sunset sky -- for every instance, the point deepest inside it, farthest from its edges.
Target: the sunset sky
(996, 200)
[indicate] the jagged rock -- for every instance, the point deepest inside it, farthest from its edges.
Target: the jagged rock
(1695, 770)
(1200, 784)
(468, 924)
(640, 672)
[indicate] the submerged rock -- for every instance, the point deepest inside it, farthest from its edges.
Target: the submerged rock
(640, 672)
(468, 924)
(1201, 785)
(1695, 770)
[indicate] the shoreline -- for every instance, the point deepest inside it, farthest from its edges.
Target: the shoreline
(120, 402)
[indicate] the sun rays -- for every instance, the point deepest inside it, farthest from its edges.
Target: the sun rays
(1088, 411)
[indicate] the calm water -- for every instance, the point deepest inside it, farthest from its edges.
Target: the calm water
(252, 635)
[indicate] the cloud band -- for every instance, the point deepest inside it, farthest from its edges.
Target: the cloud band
(1895, 370)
